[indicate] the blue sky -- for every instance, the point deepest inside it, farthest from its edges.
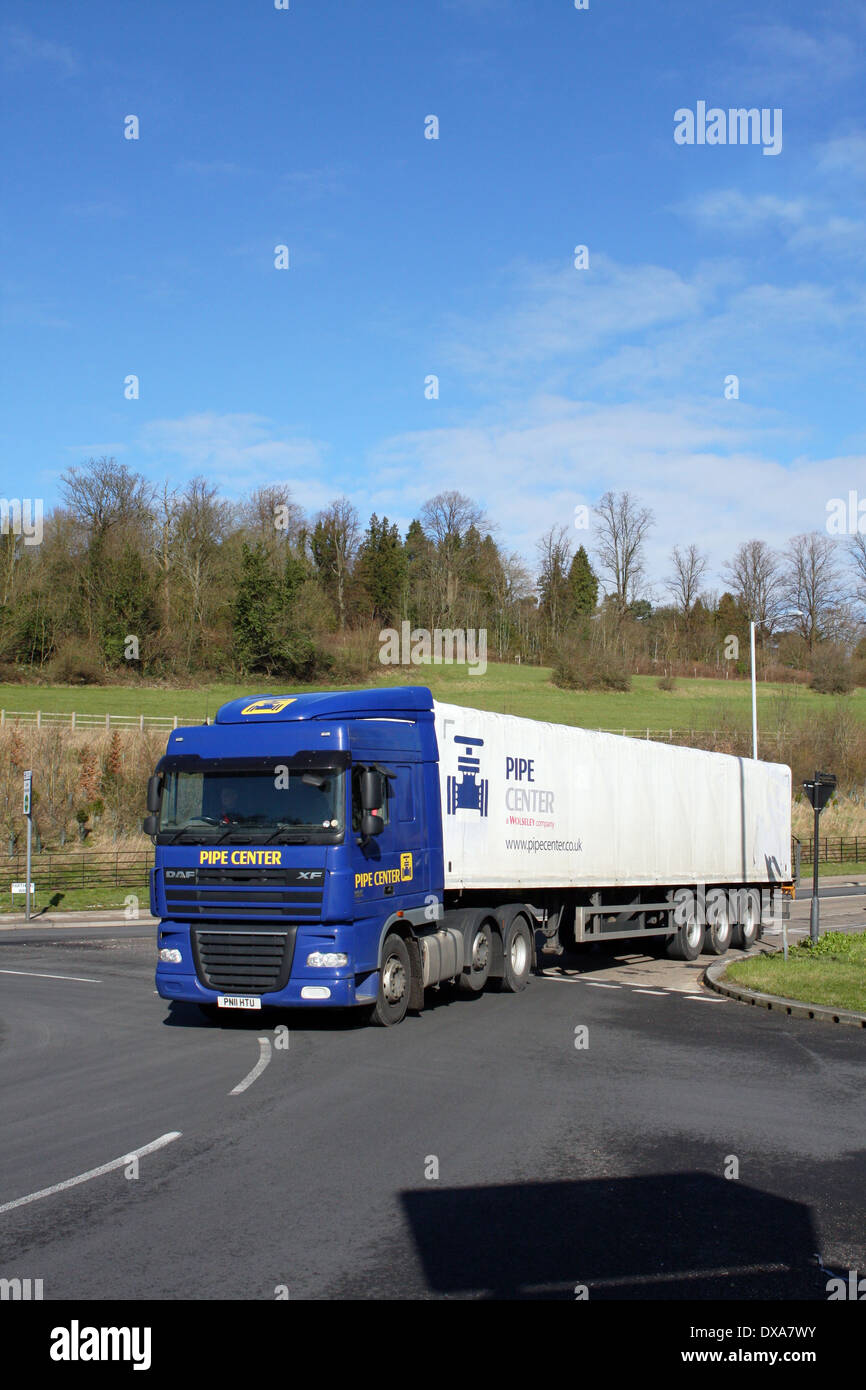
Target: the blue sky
(454, 256)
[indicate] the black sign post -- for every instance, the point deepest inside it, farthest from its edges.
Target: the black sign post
(819, 792)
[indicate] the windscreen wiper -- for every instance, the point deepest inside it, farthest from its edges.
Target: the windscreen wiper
(288, 835)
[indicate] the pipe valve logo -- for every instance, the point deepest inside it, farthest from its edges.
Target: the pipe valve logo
(467, 791)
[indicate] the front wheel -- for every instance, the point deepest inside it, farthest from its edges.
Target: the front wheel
(395, 980)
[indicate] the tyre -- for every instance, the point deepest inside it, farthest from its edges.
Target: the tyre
(517, 957)
(688, 941)
(719, 936)
(395, 980)
(476, 973)
(748, 929)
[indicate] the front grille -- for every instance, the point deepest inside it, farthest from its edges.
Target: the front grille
(247, 962)
(287, 894)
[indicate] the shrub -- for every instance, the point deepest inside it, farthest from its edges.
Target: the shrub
(667, 683)
(579, 668)
(76, 664)
(833, 675)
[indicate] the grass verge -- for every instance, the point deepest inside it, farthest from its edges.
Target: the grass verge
(831, 973)
(79, 899)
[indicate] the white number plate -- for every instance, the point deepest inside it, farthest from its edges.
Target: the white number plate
(238, 1001)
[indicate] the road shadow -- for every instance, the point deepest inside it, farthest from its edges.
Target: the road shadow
(663, 1236)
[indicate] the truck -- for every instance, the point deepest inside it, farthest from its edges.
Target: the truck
(356, 849)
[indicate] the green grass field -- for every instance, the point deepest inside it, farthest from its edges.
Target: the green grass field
(833, 973)
(76, 899)
(521, 690)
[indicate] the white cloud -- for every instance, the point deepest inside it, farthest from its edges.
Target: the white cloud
(704, 471)
(239, 452)
(846, 154)
(21, 48)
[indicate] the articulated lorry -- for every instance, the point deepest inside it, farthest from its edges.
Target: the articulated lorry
(354, 849)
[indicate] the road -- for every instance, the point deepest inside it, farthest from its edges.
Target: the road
(473, 1152)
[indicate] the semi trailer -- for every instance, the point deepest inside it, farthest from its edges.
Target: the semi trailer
(355, 849)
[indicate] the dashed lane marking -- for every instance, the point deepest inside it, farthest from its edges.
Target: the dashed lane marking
(264, 1058)
(40, 975)
(94, 1172)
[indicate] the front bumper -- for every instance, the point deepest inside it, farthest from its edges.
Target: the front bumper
(208, 969)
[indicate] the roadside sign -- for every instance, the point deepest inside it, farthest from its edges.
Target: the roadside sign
(820, 789)
(22, 888)
(28, 784)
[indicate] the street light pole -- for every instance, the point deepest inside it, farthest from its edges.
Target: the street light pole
(754, 694)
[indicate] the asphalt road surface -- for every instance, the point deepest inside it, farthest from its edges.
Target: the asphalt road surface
(473, 1152)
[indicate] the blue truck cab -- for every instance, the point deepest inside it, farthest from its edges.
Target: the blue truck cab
(299, 855)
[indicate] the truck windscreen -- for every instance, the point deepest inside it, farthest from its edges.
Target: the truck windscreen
(214, 804)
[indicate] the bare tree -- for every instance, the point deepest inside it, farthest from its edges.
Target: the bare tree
(811, 585)
(104, 493)
(755, 579)
(857, 556)
(200, 523)
(624, 526)
(554, 554)
(684, 585)
(273, 517)
(334, 544)
(446, 520)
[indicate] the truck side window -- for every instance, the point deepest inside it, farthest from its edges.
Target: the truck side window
(356, 799)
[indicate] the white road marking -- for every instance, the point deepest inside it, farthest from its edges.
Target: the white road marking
(706, 999)
(264, 1058)
(39, 975)
(600, 984)
(649, 991)
(95, 1172)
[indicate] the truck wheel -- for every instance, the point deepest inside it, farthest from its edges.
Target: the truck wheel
(688, 941)
(475, 975)
(746, 932)
(517, 953)
(718, 937)
(395, 979)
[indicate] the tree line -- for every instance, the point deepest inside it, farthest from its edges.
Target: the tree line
(183, 582)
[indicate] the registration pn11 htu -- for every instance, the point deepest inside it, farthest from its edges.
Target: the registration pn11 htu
(352, 850)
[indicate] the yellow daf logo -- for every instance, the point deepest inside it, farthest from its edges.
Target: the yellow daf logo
(268, 706)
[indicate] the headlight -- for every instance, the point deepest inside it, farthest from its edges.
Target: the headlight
(170, 955)
(328, 959)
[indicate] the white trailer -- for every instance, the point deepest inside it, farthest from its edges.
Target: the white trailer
(600, 836)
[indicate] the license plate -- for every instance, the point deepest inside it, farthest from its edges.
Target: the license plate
(238, 1001)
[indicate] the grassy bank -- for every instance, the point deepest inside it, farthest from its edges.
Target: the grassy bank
(831, 973)
(523, 690)
(78, 899)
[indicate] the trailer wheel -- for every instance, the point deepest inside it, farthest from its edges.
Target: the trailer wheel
(719, 936)
(395, 982)
(475, 974)
(746, 932)
(517, 957)
(688, 941)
